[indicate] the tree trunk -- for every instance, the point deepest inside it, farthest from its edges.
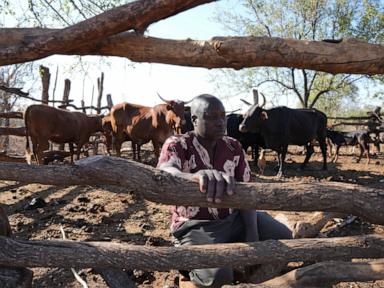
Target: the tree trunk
(220, 52)
(162, 187)
(99, 255)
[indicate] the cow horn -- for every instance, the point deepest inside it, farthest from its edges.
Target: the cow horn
(246, 102)
(264, 101)
(186, 102)
(166, 101)
(233, 111)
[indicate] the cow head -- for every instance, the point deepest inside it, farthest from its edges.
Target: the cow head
(175, 113)
(254, 118)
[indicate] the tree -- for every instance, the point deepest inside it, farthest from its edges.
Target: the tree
(314, 20)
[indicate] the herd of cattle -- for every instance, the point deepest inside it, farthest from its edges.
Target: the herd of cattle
(274, 129)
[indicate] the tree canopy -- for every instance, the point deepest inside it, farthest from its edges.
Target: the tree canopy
(316, 20)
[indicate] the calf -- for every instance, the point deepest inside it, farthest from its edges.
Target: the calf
(360, 138)
(44, 123)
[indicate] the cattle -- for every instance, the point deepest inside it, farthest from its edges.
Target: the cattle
(261, 162)
(44, 123)
(248, 139)
(282, 126)
(143, 124)
(361, 138)
(109, 136)
(187, 125)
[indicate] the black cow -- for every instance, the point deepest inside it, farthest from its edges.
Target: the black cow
(248, 139)
(281, 126)
(362, 138)
(187, 125)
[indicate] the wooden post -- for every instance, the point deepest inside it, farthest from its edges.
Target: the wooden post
(45, 78)
(109, 101)
(54, 86)
(100, 88)
(83, 106)
(67, 89)
(255, 96)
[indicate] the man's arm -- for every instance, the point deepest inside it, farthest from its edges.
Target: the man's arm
(212, 182)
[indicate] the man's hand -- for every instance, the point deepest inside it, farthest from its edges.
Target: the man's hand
(214, 183)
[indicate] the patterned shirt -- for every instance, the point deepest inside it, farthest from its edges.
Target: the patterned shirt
(187, 154)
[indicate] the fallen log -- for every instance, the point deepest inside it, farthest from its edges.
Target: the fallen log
(18, 115)
(12, 158)
(19, 131)
(162, 187)
(355, 124)
(99, 255)
(324, 274)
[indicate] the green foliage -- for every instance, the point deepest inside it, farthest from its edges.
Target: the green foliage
(310, 20)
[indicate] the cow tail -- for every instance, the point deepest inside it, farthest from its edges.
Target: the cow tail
(28, 152)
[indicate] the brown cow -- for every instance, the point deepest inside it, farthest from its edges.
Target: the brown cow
(143, 124)
(109, 135)
(43, 123)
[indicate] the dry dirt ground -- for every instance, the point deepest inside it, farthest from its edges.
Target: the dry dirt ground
(114, 214)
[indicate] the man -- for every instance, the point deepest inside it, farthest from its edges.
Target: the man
(216, 161)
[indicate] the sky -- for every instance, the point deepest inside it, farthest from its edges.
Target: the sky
(140, 82)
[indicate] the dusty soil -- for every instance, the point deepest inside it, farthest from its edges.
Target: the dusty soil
(113, 214)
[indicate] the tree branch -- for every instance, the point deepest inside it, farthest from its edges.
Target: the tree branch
(161, 187)
(220, 52)
(111, 22)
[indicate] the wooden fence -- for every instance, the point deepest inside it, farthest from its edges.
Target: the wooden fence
(161, 187)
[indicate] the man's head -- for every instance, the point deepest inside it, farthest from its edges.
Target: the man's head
(208, 116)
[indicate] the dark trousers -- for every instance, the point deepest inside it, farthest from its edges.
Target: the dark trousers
(228, 230)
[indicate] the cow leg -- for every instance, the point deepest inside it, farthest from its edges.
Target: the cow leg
(310, 151)
(323, 147)
(134, 149)
(336, 156)
(72, 150)
(138, 149)
(117, 141)
(255, 151)
(41, 147)
(281, 158)
(156, 148)
(329, 144)
(34, 147)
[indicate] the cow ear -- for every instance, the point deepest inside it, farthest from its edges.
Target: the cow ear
(264, 115)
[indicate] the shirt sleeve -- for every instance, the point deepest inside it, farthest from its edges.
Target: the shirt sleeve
(242, 170)
(172, 153)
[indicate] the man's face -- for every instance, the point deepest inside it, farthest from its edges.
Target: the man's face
(210, 122)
